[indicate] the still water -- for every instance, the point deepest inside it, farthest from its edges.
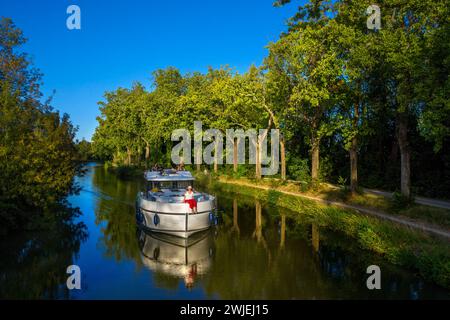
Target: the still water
(254, 252)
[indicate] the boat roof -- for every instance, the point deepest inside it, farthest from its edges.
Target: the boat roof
(168, 175)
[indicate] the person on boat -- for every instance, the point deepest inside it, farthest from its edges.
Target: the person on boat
(180, 167)
(156, 167)
(156, 188)
(189, 198)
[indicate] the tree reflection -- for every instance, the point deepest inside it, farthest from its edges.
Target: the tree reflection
(261, 252)
(315, 237)
(283, 231)
(314, 263)
(258, 234)
(114, 211)
(241, 268)
(33, 266)
(236, 217)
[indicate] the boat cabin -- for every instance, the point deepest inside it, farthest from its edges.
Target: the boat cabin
(168, 180)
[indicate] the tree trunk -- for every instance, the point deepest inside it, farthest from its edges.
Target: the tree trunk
(197, 160)
(147, 152)
(258, 160)
(259, 143)
(128, 156)
(315, 158)
(216, 159)
(235, 156)
(138, 156)
(354, 165)
(283, 158)
(405, 156)
(354, 151)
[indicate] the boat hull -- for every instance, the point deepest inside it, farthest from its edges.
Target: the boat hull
(174, 218)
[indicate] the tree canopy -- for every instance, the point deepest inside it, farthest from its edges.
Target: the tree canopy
(37, 150)
(351, 103)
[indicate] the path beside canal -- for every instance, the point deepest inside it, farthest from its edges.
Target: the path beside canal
(429, 228)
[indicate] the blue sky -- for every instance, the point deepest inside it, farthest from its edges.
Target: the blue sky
(124, 41)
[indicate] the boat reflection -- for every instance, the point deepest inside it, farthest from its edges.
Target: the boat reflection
(186, 258)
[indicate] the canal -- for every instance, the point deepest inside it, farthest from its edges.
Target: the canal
(255, 252)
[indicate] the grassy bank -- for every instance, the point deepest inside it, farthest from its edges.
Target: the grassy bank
(395, 206)
(401, 246)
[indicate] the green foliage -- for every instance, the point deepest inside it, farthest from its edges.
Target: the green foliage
(126, 172)
(241, 172)
(399, 201)
(37, 151)
(84, 150)
(326, 168)
(342, 182)
(299, 170)
(328, 84)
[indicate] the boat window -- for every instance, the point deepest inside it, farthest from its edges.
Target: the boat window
(164, 184)
(173, 185)
(185, 184)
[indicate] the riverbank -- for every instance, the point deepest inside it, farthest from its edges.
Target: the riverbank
(426, 254)
(429, 218)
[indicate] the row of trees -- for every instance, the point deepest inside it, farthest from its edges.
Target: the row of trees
(36, 142)
(378, 100)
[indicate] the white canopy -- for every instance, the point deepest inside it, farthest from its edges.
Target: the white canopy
(168, 175)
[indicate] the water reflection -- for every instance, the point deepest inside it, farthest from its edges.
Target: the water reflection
(282, 231)
(315, 237)
(33, 265)
(276, 255)
(187, 259)
(258, 252)
(235, 217)
(114, 214)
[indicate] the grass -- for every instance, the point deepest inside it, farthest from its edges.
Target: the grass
(427, 255)
(420, 213)
(432, 215)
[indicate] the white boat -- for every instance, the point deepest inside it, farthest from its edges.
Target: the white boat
(161, 208)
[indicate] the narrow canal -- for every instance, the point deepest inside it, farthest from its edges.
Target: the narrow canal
(254, 252)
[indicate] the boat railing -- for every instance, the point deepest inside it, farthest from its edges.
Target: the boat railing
(176, 198)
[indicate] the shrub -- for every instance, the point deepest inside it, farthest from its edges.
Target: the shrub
(298, 169)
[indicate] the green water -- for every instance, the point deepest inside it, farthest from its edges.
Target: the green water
(255, 252)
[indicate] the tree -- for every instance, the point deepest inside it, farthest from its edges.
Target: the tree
(401, 46)
(434, 120)
(277, 96)
(309, 60)
(37, 150)
(357, 56)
